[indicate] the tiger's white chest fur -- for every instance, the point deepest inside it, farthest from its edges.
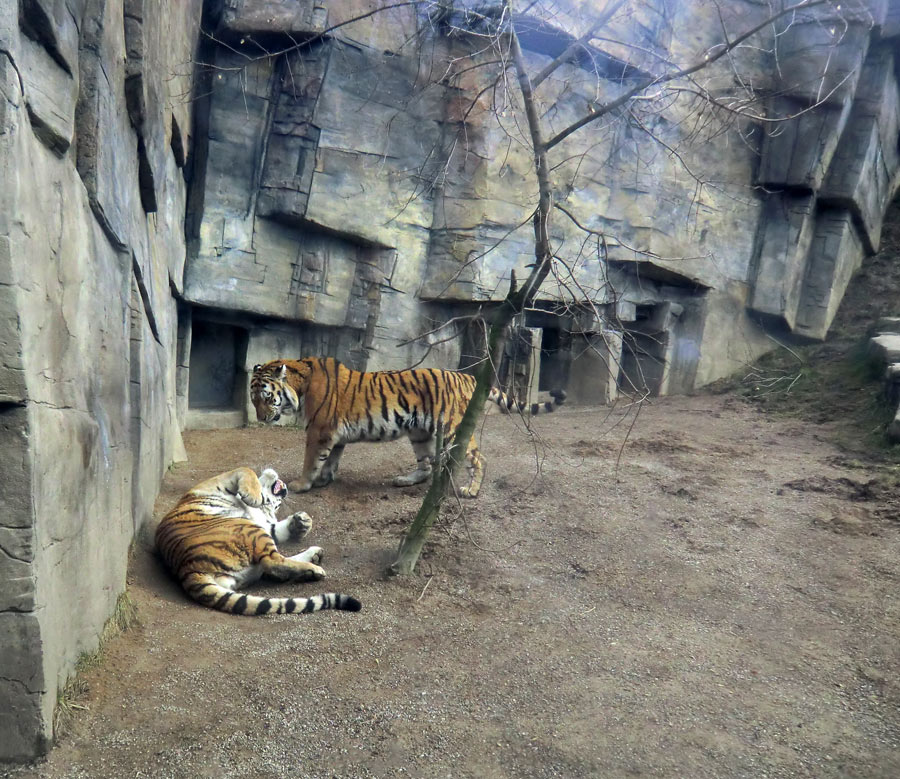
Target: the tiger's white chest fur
(261, 516)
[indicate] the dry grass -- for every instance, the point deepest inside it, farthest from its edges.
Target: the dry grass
(69, 699)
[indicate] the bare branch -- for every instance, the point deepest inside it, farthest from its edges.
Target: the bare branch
(601, 20)
(722, 49)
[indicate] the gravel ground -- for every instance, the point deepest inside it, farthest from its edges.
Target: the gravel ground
(716, 598)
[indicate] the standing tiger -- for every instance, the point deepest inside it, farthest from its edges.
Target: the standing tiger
(221, 535)
(343, 406)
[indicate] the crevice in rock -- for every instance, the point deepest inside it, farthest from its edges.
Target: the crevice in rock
(58, 144)
(195, 169)
(146, 181)
(15, 67)
(145, 298)
(177, 144)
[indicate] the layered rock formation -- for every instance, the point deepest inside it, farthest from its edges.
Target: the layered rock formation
(179, 206)
(350, 189)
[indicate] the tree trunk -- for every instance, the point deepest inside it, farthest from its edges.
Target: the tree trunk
(514, 303)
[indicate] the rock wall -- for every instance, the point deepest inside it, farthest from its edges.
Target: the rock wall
(351, 192)
(94, 108)
(178, 207)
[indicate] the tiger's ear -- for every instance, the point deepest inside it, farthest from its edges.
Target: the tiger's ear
(291, 397)
(256, 367)
(282, 373)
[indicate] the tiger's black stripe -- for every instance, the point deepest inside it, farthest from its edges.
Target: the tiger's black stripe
(342, 406)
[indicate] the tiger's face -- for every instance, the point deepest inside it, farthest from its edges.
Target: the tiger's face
(271, 395)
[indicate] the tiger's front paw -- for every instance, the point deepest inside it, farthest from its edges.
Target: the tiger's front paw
(300, 525)
(315, 573)
(300, 485)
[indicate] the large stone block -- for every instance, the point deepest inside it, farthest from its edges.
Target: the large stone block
(593, 374)
(864, 171)
(290, 155)
(885, 348)
(797, 152)
(859, 180)
(819, 58)
(54, 25)
(835, 253)
(788, 223)
(299, 16)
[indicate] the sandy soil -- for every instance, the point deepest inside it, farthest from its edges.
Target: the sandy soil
(723, 604)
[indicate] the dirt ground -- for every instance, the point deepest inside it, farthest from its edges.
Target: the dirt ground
(725, 603)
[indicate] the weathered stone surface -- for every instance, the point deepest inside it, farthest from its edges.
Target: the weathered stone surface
(593, 377)
(788, 224)
(820, 57)
(835, 253)
(885, 348)
(50, 93)
(107, 152)
(301, 16)
(799, 151)
(887, 324)
(52, 25)
(290, 156)
(87, 326)
(24, 732)
(863, 175)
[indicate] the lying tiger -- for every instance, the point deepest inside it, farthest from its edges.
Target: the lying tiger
(221, 535)
(343, 406)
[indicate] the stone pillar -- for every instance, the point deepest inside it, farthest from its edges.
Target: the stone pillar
(594, 373)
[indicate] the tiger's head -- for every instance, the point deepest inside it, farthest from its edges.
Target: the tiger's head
(270, 392)
(274, 490)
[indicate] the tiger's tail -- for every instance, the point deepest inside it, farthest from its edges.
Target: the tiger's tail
(509, 403)
(204, 589)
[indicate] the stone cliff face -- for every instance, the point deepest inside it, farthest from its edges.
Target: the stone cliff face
(94, 103)
(178, 206)
(349, 189)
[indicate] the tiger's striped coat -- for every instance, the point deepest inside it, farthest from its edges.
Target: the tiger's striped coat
(222, 535)
(342, 406)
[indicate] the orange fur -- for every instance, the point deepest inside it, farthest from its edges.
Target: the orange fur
(222, 534)
(342, 406)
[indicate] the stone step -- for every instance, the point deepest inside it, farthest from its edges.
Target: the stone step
(887, 324)
(214, 419)
(885, 347)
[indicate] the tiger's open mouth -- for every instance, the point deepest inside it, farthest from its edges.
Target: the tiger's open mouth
(276, 417)
(279, 488)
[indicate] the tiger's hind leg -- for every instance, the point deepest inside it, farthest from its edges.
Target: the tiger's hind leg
(475, 471)
(424, 450)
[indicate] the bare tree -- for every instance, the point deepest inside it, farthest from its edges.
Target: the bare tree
(497, 28)
(712, 89)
